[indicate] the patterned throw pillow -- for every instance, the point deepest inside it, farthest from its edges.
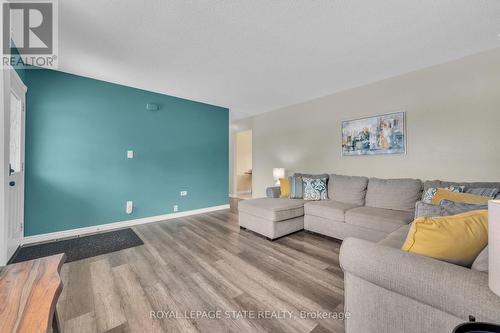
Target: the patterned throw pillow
(483, 191)
(454, 208)
(431, 192)
(445, 208)
(315, 188)
(442, 194)
(296, 189)
(423, 209)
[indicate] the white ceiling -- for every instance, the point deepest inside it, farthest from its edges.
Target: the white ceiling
(254, 56)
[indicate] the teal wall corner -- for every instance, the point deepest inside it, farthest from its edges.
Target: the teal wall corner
(78, 131)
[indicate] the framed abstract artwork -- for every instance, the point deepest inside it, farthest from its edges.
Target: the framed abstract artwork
(378, 135)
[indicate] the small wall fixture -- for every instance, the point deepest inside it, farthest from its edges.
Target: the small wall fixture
(152, 107)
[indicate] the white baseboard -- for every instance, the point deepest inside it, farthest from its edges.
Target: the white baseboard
(116, 225)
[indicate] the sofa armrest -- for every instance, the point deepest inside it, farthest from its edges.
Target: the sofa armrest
(453, 289)
(273, 192)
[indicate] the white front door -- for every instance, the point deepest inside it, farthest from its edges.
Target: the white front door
(14, 128)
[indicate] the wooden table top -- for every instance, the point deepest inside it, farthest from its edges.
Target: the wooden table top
(28, 294)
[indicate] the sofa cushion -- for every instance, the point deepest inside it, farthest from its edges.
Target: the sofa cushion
(397, 194)
(328, 209)
(273, 209)
(423, 209)
(453, 208)
(273, 192)
(348, 189)
(472, 199)
(381, 219)
(441, 184)
(430, 193)
(481, 262)
(445, 208)
(397, 238)
(484, 191)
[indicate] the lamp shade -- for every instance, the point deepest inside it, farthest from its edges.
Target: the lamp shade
(494, 246)
(277, 174)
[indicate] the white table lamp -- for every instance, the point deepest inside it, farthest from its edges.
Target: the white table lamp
(277, 174)
(494, 246)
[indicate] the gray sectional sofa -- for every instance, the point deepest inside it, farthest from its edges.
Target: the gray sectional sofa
(392, 291)
(358, 207)
(364, 208)
(386, 289)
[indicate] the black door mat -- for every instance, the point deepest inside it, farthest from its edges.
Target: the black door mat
(81, 247)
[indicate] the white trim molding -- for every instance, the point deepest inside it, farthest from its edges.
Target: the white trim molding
(116, 225)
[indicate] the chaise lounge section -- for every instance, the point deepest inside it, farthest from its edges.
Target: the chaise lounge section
(272, 217)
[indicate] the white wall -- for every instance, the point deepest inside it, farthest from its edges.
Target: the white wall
(453, 127)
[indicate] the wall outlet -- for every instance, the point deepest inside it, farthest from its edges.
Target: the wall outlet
(176, 208)
(184, 193)
(130, 154)
(130, 207)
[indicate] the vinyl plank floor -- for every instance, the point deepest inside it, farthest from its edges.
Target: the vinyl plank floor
(203, 274)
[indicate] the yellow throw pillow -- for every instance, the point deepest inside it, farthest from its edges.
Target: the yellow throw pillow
(472, 199)
(457, 239)
(284, 187)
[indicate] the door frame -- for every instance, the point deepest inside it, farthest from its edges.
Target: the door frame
(3, 172)
(10, 79)
(236, 162)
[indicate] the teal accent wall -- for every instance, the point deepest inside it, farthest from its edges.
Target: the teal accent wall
(78, 131)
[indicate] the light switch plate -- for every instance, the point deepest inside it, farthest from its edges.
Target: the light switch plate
(184, 193)
(130, 154)
(130, 207)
